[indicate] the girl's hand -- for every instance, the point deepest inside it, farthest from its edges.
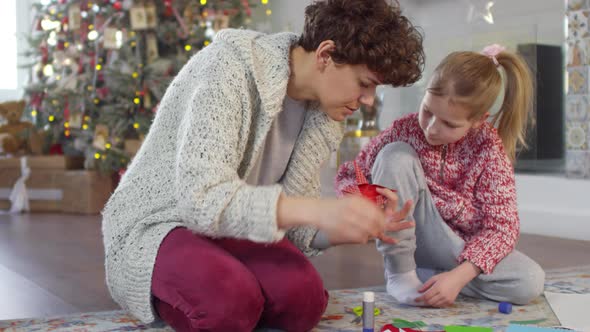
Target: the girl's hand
(442, 289)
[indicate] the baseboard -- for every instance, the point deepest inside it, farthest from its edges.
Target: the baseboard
(554, 206)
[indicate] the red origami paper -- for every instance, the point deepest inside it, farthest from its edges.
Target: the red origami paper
(365, 188)
(392, 328)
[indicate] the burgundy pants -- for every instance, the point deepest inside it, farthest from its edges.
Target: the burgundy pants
(202, 284)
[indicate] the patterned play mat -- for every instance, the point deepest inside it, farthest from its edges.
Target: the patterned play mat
(340, 316)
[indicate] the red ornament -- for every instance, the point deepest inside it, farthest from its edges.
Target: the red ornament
(44, 55)
(102, 92)
(117, 5)
(36, 100)
(80, 66)
(56, 149)
(67, 111)
(168, 8)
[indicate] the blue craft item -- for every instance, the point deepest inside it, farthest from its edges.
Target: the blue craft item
(505, 307)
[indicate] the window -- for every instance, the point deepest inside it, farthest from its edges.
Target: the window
(15, 26)
(8, 64)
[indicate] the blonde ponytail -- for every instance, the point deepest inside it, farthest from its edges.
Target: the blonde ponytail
(512, 119)
(474, 81)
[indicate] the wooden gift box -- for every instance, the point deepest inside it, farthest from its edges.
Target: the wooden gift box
(85, 192)
(56, 184)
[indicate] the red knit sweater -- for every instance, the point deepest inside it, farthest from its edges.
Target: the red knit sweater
(471, 182)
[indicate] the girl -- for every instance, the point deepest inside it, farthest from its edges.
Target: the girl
(457, 167)
(209, 225)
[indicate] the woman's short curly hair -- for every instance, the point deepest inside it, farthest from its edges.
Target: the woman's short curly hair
(369, 32)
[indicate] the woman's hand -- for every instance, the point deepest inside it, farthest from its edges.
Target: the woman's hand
(395, 219)
(352, 219)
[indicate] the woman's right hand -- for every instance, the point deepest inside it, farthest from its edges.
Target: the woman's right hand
(352, 219)
(348, 220)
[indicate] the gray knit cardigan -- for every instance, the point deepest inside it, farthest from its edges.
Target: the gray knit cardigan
(190, 170)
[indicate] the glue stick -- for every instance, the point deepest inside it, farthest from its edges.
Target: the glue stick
(368, 311)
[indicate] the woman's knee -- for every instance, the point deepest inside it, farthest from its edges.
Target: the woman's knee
(214, 294)
(233, 308)
(299, 303)
(230, 303)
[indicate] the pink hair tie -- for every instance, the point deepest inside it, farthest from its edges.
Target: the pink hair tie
(492, 51)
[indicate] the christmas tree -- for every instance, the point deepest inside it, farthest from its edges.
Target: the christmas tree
(99, 68)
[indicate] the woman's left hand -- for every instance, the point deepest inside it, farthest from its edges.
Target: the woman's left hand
(396, 219)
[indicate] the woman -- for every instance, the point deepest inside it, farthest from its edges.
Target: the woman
(209, 226)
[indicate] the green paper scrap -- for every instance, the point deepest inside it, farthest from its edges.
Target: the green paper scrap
(453, 328)
(359, 311)
(404, 324)
(528, 322)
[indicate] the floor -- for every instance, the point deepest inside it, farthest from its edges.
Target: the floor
(52, 264)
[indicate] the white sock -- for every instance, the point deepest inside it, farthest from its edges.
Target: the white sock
(404, 287)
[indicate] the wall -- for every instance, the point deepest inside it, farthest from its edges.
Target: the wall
(446, 29)
(548, 205)
(445, 26)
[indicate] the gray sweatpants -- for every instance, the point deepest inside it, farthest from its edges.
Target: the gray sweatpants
(433, 247)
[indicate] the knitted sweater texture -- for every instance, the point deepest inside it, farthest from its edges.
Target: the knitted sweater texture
(472, 185)
(190, 170)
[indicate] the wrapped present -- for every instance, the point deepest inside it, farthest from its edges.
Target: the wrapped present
(85, 192)
(44, 162)
(37, 190)
(51, 184)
